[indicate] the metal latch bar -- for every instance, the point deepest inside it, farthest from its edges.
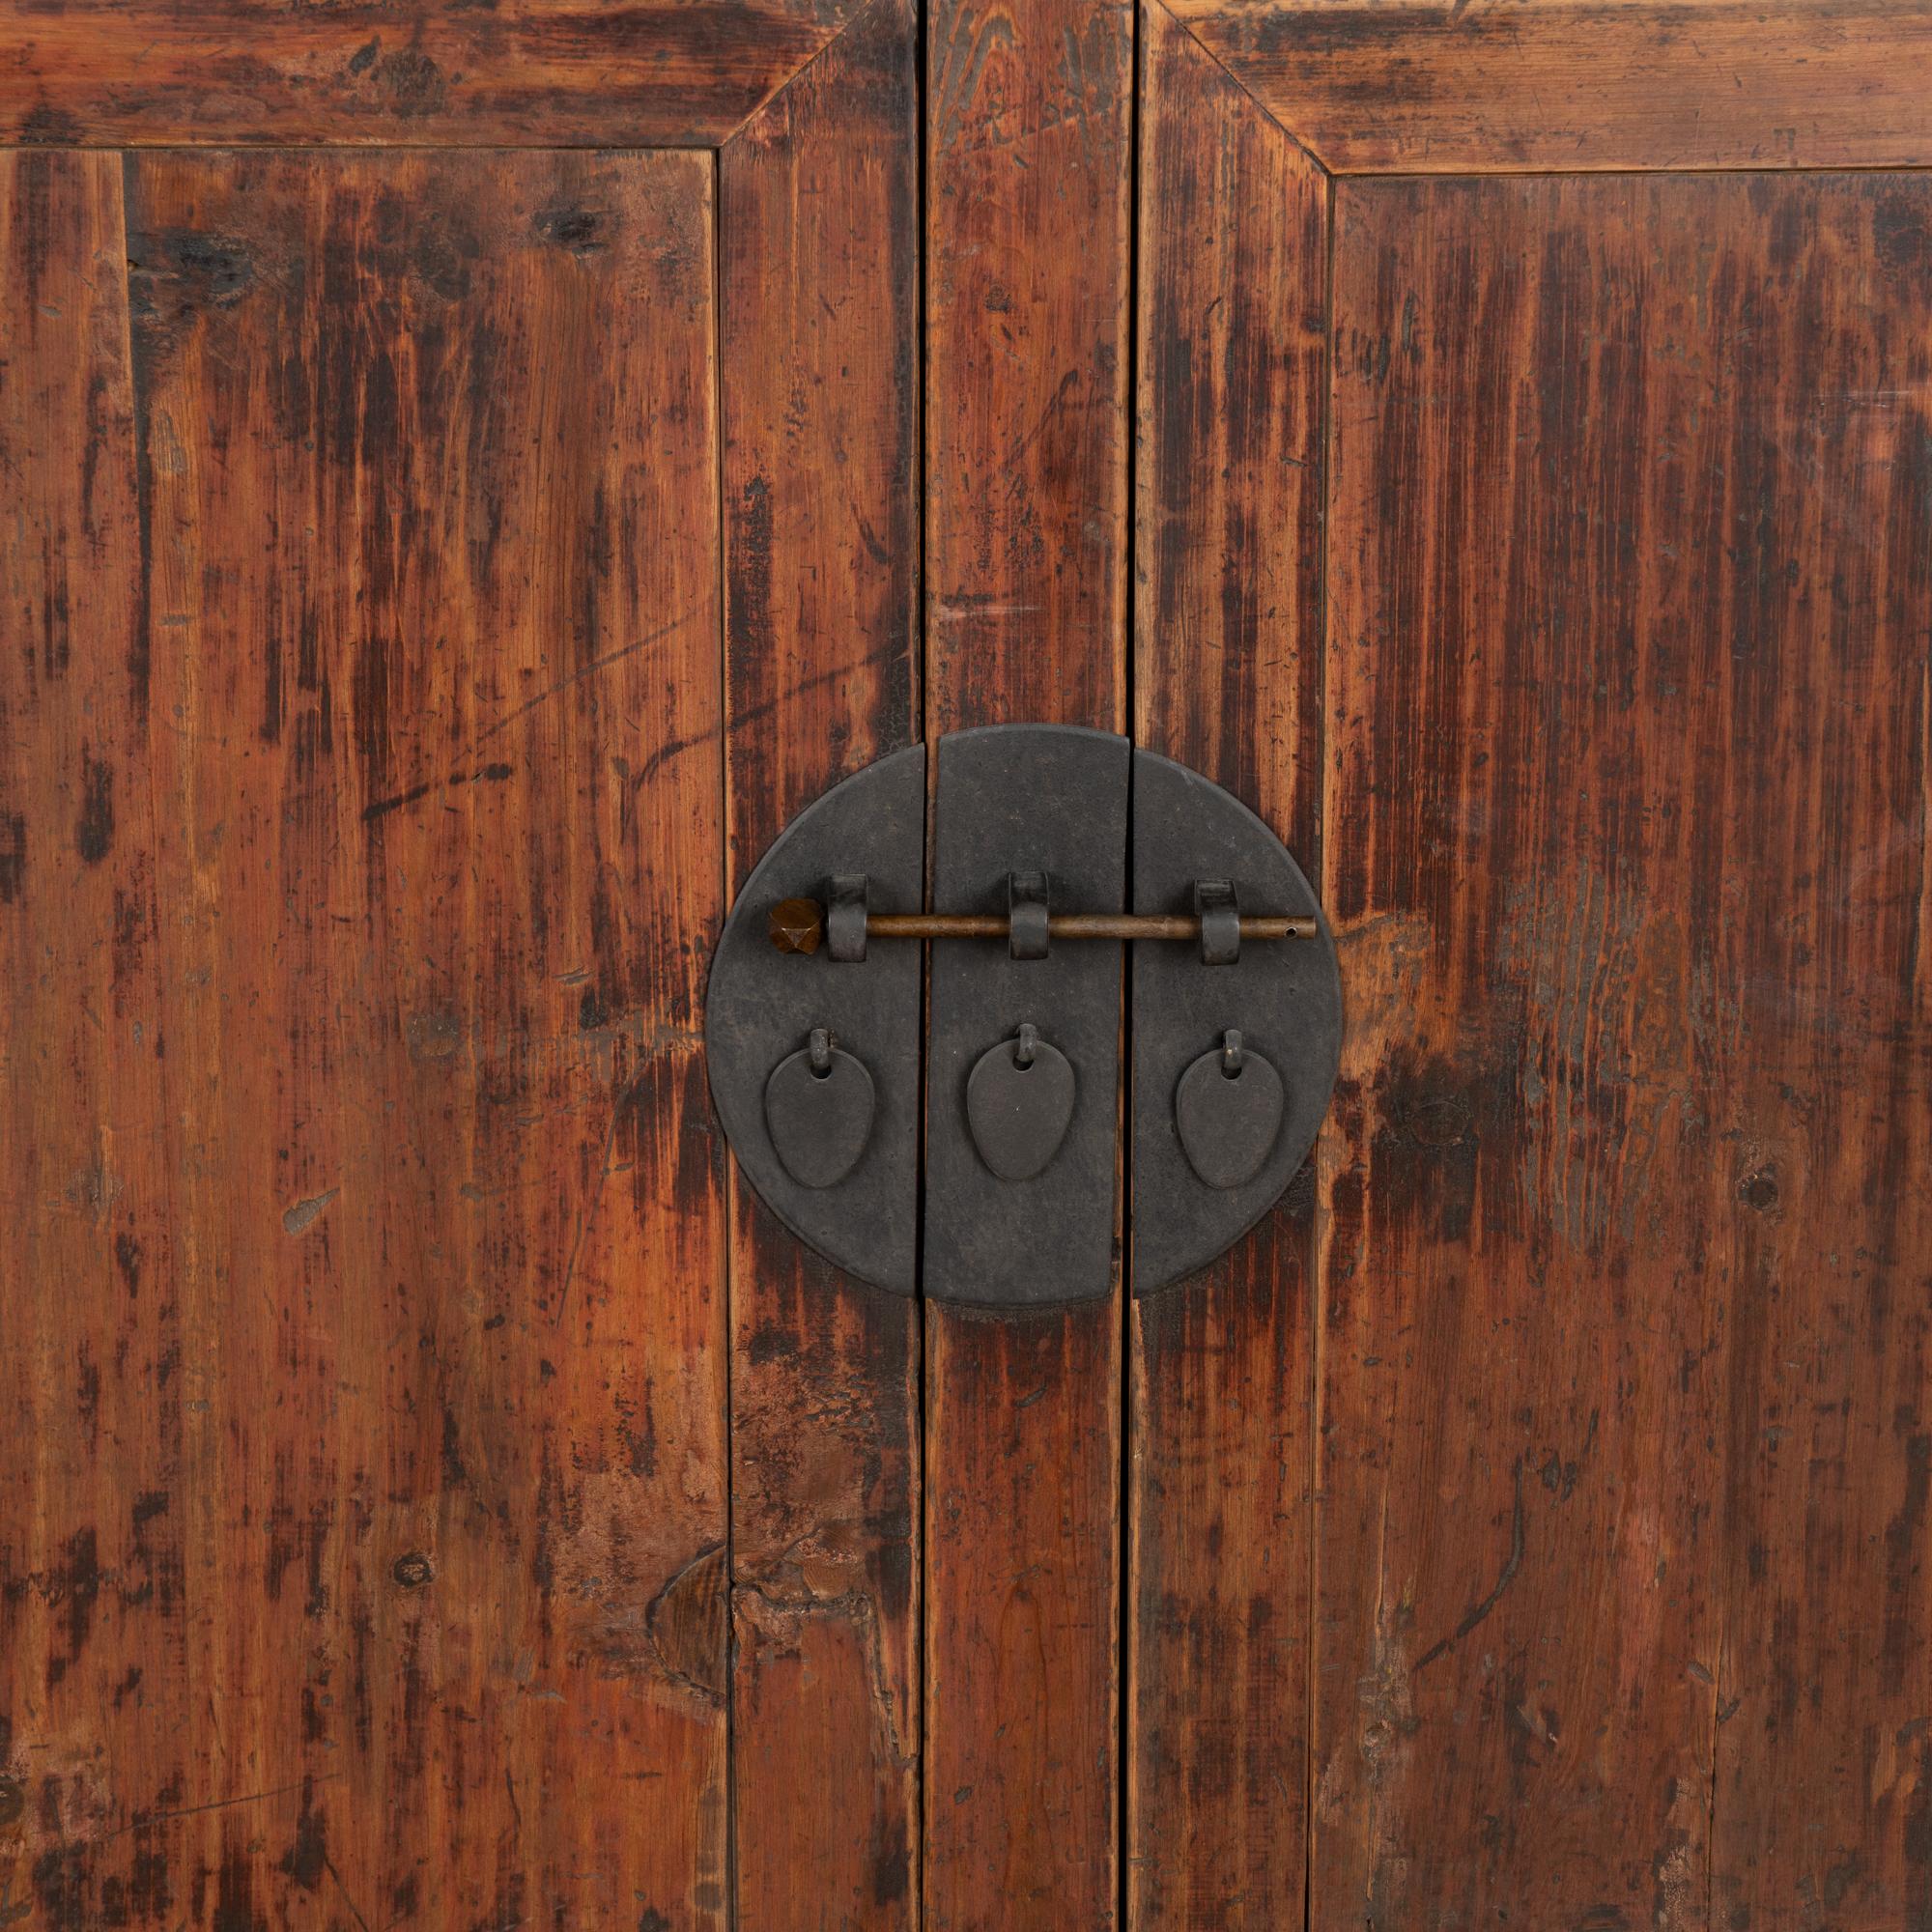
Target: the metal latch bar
(798, 925)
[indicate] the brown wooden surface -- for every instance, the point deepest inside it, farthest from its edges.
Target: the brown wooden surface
(507, 73)
(93, 1622)
(406, 1527)
(819, 213)
(1028, 184)
(1028, 190)
(1482, 86)
(1233, 384)
(1622, 1331)
(1367, 86)
(1824, 1794)
(409, 1509)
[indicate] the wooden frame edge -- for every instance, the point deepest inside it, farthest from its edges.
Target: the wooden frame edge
(1598, 85)
(347, 85)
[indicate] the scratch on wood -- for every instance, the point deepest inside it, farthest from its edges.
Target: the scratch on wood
(1477, 1612)
(356, 1911)
(591, 669)
(147, 1820)
(587, 1214)
(888, 651)
(383, 806)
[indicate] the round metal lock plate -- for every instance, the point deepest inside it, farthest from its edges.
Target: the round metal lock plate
(1014, 1168)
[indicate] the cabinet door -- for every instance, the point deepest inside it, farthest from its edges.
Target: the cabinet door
(430, 582)
(1534, 490)
(470, 476)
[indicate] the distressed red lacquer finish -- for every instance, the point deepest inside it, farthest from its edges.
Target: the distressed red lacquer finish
(441, 546)
(1487, 86)
(1817, 780)
(94, 1618)
(370, 73)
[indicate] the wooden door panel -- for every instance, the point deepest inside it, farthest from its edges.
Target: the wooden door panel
(1622, 1323)
(91, 1567)
(436, 1502)
(819, 297)
(1580, 440)
(1028, 194)
(1231, 404)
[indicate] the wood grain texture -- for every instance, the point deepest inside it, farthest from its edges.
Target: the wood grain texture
(435, 749)
(1627, 662)
(1028, 194)
(1023, 1446)
(1029, 185)
(1819, 793)
(399, 73)
(1478, 86)
(1232, 389)
(820, 352)
(93, 1621)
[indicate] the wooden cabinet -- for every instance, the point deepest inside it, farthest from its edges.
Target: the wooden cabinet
(468, 475)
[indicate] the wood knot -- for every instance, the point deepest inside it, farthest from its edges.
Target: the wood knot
(414, 1571)
(687, 1620)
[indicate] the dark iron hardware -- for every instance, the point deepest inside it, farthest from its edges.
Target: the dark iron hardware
(814, 1030)
(1029, 917)
(798, 925)
(760, 1010)
(1227, 1112)
(1023, 818)
(819, 1104)
(1019, 1103)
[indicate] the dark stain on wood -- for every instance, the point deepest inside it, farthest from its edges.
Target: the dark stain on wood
(12, 855)
(94, 834)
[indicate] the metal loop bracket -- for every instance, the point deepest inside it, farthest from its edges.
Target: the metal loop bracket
(845, 920)
(1220, 916)
(1029, 930)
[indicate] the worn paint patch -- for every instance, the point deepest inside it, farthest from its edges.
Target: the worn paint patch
(302, 1216)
